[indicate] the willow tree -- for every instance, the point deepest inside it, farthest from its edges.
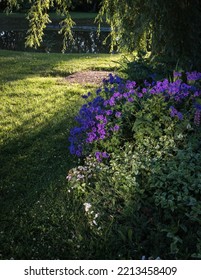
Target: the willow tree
(171, 28)
(38, 18)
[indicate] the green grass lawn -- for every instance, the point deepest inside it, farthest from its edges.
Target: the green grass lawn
(39, 218)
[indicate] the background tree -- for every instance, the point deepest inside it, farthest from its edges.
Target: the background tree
(82, 6)
(168, 28)
(173, 27)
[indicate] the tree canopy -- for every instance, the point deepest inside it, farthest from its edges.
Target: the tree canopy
(171, 28)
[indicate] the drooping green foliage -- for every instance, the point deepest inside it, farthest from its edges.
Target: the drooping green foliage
(170, 28)
(166, 28)
(38, 19)
(9, 5)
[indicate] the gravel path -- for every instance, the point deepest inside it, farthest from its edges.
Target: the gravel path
(88, 77)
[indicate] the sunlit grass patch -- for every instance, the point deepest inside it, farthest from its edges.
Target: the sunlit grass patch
(37, 109)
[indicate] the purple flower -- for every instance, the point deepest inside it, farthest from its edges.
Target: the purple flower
(118, 114)
(91, 137)
(102, 133)
(126, 94)
(173, 111)
(111, 79)
(105, 155)
(118, 80)
(147, 84)
(78, 153)
(72, 149)
(100, 155)
(180, 116)
(177, 74)
(197, 93)
(86, 96)
(101, 130)
(116, 127)
(139, 94)
(100, 117)
(197, 117)
(153, 91)
(130, 85)
(100, 126)
(130, 99)
(117, 95)
(193, 76)
(144, 90)
(106, 102)
(197, 106)
(109, 112)
(111, 101)
(98, 91)
(102, 136)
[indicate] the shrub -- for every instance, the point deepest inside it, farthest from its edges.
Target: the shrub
(140, 177)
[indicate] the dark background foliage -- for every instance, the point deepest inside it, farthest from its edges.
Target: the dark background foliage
(166, 28)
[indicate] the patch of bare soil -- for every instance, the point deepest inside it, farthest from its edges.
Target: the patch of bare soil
(88, 77)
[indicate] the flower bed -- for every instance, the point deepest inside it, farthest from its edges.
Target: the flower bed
(117, 101)
(139, 150)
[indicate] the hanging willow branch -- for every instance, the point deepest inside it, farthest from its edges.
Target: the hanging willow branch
(38, 19)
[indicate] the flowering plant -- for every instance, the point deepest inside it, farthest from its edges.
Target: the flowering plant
(108, 115)
(139, 181)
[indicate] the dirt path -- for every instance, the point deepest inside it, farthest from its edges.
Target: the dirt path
(88, 77)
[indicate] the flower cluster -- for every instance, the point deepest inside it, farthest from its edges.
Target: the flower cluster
(100, 155)
(178, 92)
(91, 215)
(86, 131)
(85, 172)
(81, 172)
(197, 114)
(174, 112)
(100, 118)
(193, 76)
(94, 120)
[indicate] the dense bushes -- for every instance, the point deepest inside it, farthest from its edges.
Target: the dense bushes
(140, 175)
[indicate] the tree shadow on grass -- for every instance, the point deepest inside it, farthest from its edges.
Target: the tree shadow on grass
(39, 217)
(21, 65)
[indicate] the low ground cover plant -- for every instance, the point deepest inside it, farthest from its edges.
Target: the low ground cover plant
(139, 173)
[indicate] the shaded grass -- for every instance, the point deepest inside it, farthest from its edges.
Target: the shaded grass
(39, 218)
(74, 15)
(18, 21)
